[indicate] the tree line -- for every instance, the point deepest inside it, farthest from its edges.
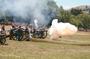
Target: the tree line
(75, 16)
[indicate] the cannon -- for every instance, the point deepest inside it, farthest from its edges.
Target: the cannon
(41, 33)
(19, 34)
(16, 34)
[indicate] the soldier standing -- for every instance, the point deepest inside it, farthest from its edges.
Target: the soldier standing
(3, 35)
(12, 32)
(27, 34)
(19, 34)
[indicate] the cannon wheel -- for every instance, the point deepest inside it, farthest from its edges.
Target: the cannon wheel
(39, 35)
(3, 40)
(45, 35)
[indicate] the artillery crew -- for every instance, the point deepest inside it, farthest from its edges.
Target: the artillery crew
(18, 33)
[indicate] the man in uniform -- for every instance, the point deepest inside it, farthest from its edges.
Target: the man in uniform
(27, 34)
(19, 34)
(2, 35)
(12, 32)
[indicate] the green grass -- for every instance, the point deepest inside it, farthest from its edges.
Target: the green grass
(67, 47)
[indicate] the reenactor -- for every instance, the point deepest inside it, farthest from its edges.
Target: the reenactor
(3, 35)
(27, 34)
(31, 31)
(12, 32)
(41, 33)
(19, 34)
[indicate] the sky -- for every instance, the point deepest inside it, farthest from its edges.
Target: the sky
(67, 4)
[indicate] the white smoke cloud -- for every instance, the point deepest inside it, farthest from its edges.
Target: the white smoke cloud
(36, 23)
(61, 29)
(26, 9)
(22, 7)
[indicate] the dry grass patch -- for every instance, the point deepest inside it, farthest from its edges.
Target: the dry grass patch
(67, 47)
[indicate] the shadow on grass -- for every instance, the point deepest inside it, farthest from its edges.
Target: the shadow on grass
(63, 43)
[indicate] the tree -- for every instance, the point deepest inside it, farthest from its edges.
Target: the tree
(76, 11)
(63, 15)
(85, 21)
(75, 20)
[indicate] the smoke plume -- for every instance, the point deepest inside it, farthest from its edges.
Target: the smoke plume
(61, 29)
(26, 10)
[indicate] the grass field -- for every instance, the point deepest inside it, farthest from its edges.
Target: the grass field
(67, 47)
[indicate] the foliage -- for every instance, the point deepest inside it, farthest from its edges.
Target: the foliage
(63, 15)
(85, 18)
(75, 16)
(76, 11)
